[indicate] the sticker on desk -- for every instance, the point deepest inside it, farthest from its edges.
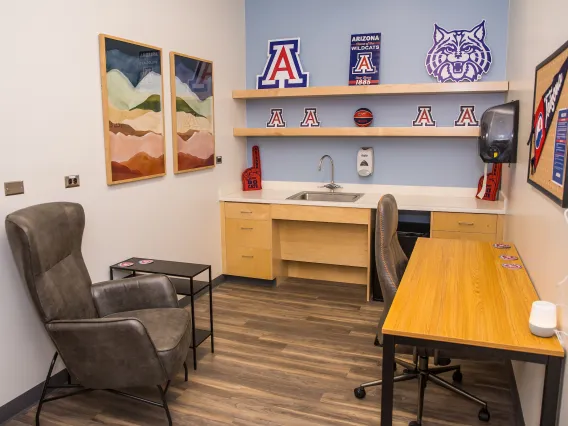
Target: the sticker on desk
(125, 264)
(512, 266)
(501, 246)
(506, 257)
(145, 262)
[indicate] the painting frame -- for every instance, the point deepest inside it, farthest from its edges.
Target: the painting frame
(539, 180)
(109, 109)
(177, 137)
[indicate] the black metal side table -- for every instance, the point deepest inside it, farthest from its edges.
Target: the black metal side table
(182, 276)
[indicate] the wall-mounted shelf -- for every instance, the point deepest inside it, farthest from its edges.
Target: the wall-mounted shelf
(438, 132)
(381, 89)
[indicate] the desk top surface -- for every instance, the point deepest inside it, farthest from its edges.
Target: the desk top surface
(458, 291)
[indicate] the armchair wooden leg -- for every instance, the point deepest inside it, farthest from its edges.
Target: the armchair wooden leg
(186, 372)
(165, 403)
(45, 387)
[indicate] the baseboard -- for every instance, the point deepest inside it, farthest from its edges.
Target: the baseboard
(29, 398)
(253, 281)
(518, 410)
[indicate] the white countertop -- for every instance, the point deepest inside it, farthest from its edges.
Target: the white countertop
(425, 200)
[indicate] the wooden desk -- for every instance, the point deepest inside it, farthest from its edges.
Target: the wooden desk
(456, 292)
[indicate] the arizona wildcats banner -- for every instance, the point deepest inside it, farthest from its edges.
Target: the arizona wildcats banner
(545, 111)
(365, 58)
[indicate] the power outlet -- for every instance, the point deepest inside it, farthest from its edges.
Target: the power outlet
(219, 159)
(72, 181)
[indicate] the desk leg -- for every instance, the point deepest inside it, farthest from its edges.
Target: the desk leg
(551, 392)
(194, 347)
(388, 380)
(211, 309)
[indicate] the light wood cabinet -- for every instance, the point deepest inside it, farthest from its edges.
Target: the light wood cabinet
(467, 226)
(323, 243)
(247, 240)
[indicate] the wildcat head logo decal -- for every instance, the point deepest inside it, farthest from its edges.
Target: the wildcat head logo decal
(283, 67)
(459, 55)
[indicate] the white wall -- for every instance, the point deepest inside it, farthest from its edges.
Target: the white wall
(536, 225)
(51, 118)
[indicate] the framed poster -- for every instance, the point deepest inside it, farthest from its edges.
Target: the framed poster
(547, 156)
(364, 59)
(133, 113)
(192, 113)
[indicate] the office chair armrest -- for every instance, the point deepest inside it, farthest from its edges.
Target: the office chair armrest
(130, 294)
(105, 353)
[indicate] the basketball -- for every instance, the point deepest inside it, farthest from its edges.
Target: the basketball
(363, 117)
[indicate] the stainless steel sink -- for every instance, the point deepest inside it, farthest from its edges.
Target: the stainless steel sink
(336, 197)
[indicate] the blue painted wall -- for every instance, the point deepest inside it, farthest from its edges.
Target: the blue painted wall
(324, 27)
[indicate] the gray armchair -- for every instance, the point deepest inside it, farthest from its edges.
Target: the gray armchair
(112, 335)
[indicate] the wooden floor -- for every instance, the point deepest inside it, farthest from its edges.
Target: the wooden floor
(287, 355)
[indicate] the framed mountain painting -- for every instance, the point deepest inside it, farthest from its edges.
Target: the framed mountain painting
(131, 80)
(192, 113)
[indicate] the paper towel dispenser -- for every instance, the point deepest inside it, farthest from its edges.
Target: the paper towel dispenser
(499, 130)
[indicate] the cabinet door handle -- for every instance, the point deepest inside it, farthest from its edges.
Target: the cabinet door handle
(248, 257)
(246, 212)
(466, 223)
(247, 229)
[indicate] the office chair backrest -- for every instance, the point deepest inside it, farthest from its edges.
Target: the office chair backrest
(391, 260)
(46, 244)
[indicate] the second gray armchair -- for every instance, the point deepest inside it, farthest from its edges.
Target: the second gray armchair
(112, 335)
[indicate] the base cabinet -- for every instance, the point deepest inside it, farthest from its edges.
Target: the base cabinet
(467, 226)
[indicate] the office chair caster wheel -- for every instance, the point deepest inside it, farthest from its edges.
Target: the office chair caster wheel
(484, 415)
(360, 393)
(457, 376)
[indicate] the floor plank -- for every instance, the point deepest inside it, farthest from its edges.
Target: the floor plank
(287, 355)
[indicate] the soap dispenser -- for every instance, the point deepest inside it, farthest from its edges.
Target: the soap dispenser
(365, 162)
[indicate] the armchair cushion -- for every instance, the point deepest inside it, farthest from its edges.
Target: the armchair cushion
(169, 330)
(108, 353)
(131, 294)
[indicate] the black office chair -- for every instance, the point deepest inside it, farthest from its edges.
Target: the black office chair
(391, 263)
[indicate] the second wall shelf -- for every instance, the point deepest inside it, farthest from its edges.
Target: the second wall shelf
(438, 132)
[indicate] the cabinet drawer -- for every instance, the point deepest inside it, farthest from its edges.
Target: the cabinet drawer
(476, 236)
(247, 211)
(321, 214)
(248, 233)
(464, 222)
(249, 262)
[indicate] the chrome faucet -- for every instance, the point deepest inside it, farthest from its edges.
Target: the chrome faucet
(332, 185)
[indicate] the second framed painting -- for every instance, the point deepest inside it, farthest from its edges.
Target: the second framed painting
(192, 113)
